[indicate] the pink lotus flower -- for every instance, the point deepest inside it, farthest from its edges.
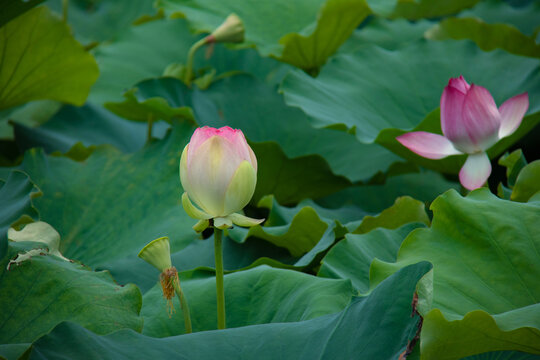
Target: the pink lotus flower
(471, 124)
(218, 171)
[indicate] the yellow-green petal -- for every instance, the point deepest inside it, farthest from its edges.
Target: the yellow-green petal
(157, 253)
(242, 220)
(241, 188)
(201, 225)
(222, 223)
(191, 210)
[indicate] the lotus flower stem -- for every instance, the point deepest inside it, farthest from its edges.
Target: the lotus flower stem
(150, 125)
(190, 57)
(218, 253)
(185, 307)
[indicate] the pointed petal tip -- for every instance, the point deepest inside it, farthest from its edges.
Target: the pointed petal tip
(244, 221)
(428, 145)
(512, 112)
(475, 171)
(459, 84)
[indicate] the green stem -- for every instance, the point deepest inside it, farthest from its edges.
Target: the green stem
(150, 124)
(190, 57)
(184, 306)
(218, 253)
(65, 6)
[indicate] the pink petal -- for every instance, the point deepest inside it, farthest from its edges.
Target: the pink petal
(481, 117)
(202, 134)
(476, 171)
(512, 112)
(451, 109)
(428, 145)
(459, 84)
(234, 137)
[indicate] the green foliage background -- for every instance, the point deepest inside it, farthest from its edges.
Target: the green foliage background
(94, 114)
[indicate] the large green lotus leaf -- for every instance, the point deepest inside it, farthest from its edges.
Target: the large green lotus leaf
(503, 355)
(490, 31)
(307, 235)
(141, 52)
(300, 230)
(16, 194)
(388, 34)
(39, 293)
(487, 36)
(151, 109)
(145, 51)
(352, 257)
(302, 33)
(486, 268)
(13, 351)
(424, 186)
(299, 236)
(415, 10)
(354, 89)
(101, 20)
(293, 179)
(523, 16)
(138, 193)
(256, 296)
(11, 9)
(362, 330)
(266, 117)
(527, 182)
(477, 332)
(41, 60)
(31, 114)
(90, 125)
(309, 49)
(404, 210)
(281, 215)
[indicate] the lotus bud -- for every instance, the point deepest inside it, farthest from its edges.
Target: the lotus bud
(230, 31)
(218, 171)
(158, 254)
(471, 123)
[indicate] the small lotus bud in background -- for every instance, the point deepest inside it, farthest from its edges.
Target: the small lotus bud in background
(471, 124)
(158, 254)
(218, 171)
(230, 31)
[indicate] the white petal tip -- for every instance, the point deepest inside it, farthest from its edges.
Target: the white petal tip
(475, 171)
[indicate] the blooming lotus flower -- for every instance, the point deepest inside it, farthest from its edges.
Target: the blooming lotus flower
(218, 171)
(471, 124)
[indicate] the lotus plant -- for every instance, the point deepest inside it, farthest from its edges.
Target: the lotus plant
(230, 31)
(158, 254)
(218, 171)
(471, 124)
